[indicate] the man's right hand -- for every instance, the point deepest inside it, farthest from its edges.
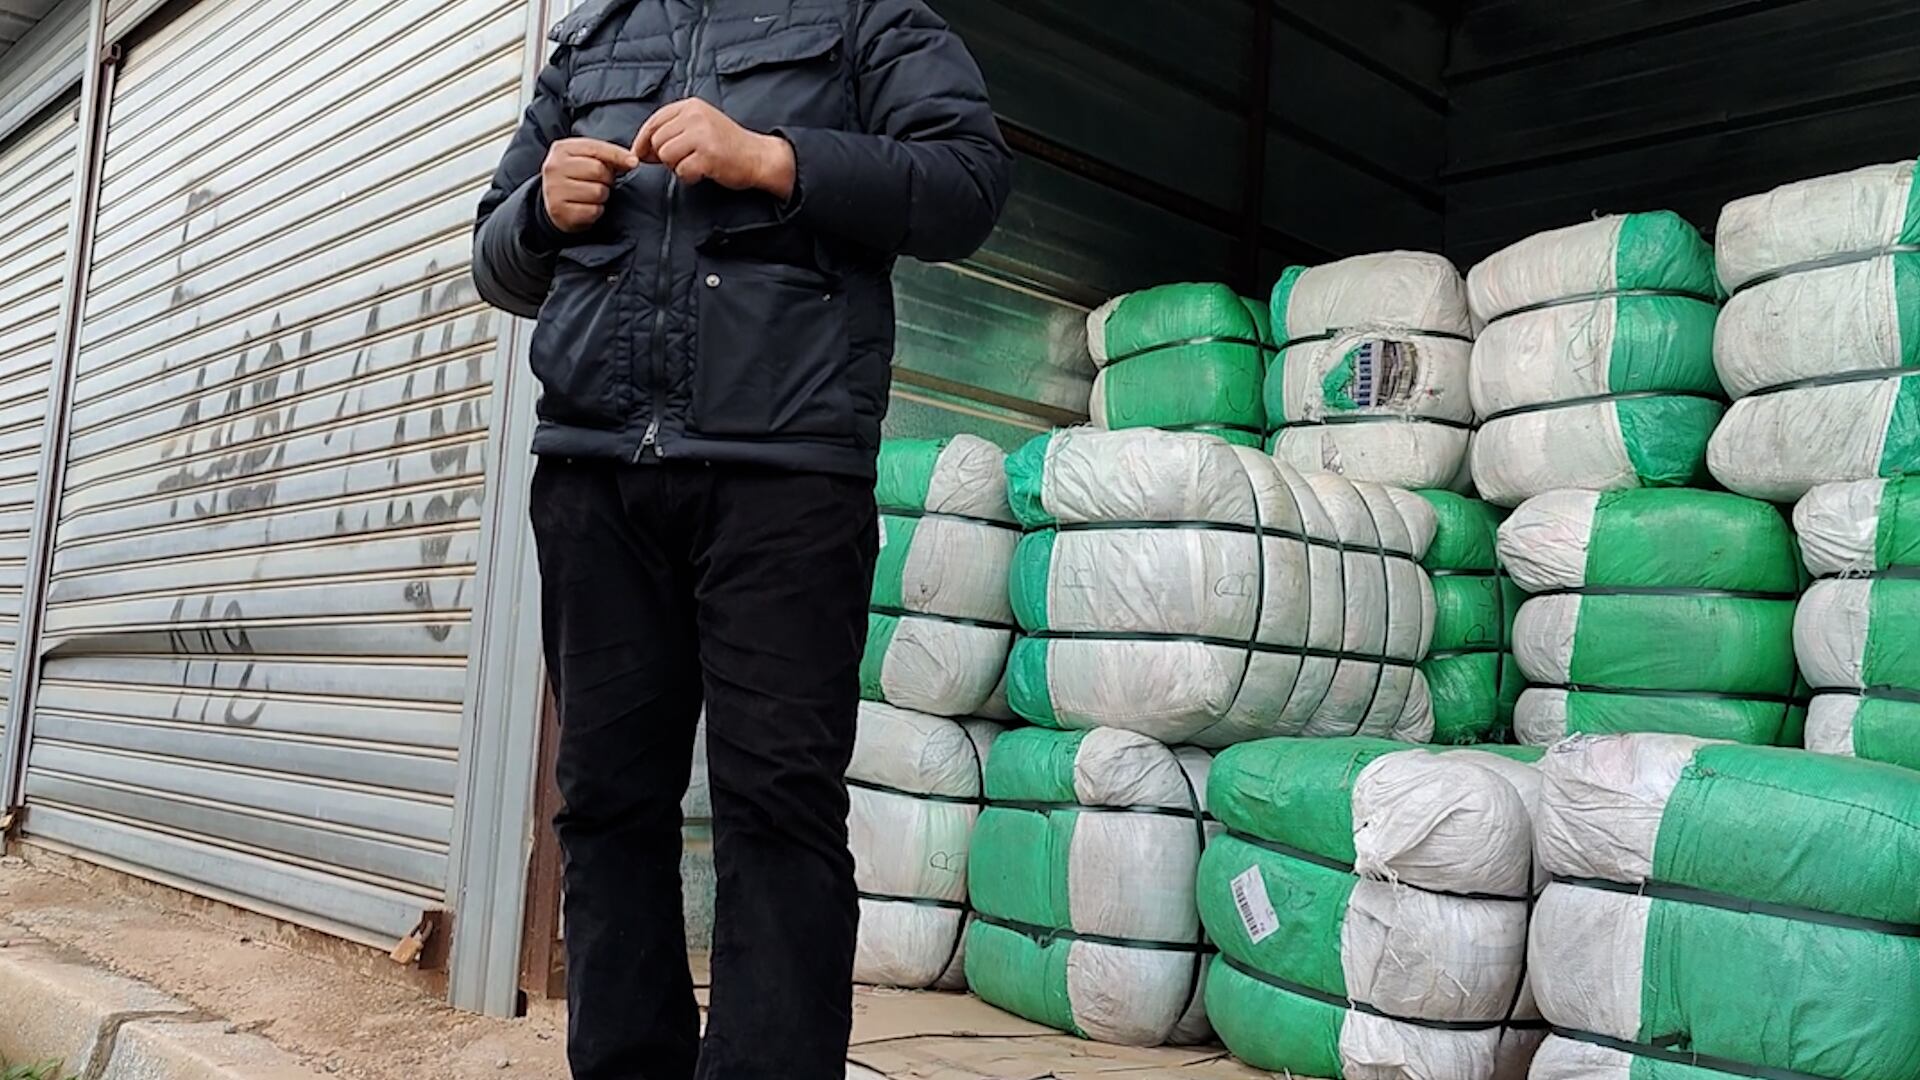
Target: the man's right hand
(578, 177)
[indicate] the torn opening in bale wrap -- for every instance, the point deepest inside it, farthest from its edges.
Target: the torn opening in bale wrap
(1821, 335)
(1370, 903)
(1082, 885)
(1471, 674)
(914, 785)
(1595, 365)
(1181, 358)
(1741, 908)
(1371, 377)
(1857, 632)
(939, 624)
(1199, 592)
(1654, 610)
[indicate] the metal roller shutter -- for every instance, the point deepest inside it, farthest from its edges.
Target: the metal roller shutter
(258, 616)
(36, 200)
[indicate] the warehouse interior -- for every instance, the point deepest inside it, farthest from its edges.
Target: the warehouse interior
(1222, 142)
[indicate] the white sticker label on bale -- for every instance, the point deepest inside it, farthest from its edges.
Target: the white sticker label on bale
(1256, 911)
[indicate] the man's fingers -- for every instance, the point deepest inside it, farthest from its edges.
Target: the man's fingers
(614, 156)
(591, 170)
(577, 191)
(691, 169)
(644, 142)
(673, 147)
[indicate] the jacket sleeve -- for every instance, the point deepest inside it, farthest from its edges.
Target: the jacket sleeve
(929, 172)
(514, 241)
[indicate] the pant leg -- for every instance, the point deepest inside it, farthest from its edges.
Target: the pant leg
(617, 614)
(784, 571)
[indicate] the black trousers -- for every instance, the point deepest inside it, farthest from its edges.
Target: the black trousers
(665, 588)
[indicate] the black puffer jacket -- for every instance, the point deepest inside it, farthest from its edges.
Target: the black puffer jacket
(693, 322)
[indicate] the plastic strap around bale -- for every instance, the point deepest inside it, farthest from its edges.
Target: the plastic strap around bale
(1232, 527)
(919, 901)
(1689, 894)
(1324, 862)
(1338, 1002)
(1885, 573)
(1596, 399)
(1683, 1057)
(1047, 935)
(905, 613)
(1377, 331)
(1669, 590)
(1376, 418)
(1703, 695)
(1210, 428)
(970, 519)
(1205, 339)
(1826, 262)
(1841, 378)
(956, 800)
(1873, 693)
(1603, 294)
(1304, 651)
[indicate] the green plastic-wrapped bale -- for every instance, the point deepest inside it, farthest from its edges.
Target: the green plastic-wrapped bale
(1657, 610)
(1081, 879)
(939, 623)
(1755, 903)
(1471, 673)
(1181, 358)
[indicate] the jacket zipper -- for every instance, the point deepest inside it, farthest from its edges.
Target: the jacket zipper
(662, 281)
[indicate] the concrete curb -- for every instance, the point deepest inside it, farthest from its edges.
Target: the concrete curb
(55, 1004)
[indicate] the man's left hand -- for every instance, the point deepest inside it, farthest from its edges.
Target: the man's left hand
(699, 142)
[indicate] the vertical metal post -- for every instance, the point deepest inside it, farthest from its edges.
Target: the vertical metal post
(96, 100)
(1253, 176)
(493, 803)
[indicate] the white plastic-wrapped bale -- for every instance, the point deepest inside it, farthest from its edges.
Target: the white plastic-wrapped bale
(1371, 377)
(1370, 905)
(1655, 610)
(939, 623)
(914, 785)
(1203, 593)
(1857, 632)
(1471, 674)
(1595, 365)
(1714, 906)
(1821, 338)
(1082, 885)
(1181, 358)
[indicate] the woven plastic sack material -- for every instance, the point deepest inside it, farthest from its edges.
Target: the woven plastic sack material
(939, 624)
(1595, 366)
(1821, 334)
(1150, 607)
(1659, 610)
(1857, 633)
(1181, 358)
(1082, 883)
(1471, 674)
(915, 788)
(1369, 904)
(1562, 1058)
(1371, 377)
(1757, 899)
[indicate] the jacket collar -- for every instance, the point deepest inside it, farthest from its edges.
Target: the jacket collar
(586, 19)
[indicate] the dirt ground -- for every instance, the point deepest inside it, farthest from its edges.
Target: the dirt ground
(340, 1020)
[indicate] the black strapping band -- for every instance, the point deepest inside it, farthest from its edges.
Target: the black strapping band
(1840, 378)
(1302, 855)
(1338, 1002)
(1684, 1057)
(1874, 693)
(889, 511)
(1828, 262)
(1205, 339)
(1885, 573)
(1597, 399)
(955, 800)
(903, 613)
(1673, 590)
(1229, 527)
(1374, 331)
(1210, 428)
(1603, 294)
(1304, 651)
(917, 901)
(1688, 894)
(1703, 695)
(1376, 418)
(1047, 935)
(1041, 807)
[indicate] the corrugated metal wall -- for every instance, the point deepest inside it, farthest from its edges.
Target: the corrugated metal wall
(1562, 111)
(257, 628)
(36, 211)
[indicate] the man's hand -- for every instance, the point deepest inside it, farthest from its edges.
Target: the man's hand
(699, 142)
(578, 177)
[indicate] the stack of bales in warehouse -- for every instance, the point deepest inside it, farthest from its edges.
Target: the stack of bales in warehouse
(1471, 675)
(1371, 376)
(1720, 910)
(1181, 358)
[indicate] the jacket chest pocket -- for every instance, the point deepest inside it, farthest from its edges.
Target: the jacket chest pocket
(792, 76)
(771, 352)
(610, 101)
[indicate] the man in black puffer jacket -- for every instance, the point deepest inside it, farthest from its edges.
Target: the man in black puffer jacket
(702, 208)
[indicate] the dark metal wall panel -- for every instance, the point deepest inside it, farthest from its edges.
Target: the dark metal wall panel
(1682, 106)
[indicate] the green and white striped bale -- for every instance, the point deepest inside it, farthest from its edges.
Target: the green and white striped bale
(914, 786)
(1182, 358)
(1203, 593)
(1662, 845)
(1082, 884)
(1371, 377)
(1667, 610)
(1822, 335)
(940, 623)
(1341, 880)
(1595, 365)
(1857, 633)
(1471, 674)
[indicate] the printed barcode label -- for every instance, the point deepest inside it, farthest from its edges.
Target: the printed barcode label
(1256, 911)
(883, 530)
